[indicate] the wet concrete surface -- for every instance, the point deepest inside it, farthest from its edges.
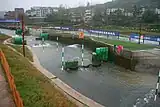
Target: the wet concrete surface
(108, 85)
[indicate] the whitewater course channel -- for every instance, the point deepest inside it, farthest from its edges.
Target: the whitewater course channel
(109, 85)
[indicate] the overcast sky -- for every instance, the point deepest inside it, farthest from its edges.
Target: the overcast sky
(26, 4)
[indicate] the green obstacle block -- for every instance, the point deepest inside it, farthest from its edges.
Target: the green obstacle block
(44, 35)
(19, 40)
(18, 31)
(71, 65)
(102, 53)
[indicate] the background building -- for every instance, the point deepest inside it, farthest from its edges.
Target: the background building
(18, 12)
(157, 11)
(40, 11)
(14, 14)
(88, 16)
(76, 17)
(123, 11)
(9, 15)
(2, 13)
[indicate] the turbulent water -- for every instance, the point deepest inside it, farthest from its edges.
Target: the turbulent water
(146, 99)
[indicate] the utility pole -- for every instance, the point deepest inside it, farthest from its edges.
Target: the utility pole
(140, 30)
(158, 24)
(23, 35)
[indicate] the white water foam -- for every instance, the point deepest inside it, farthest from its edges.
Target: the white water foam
(41, 45)
(141, 102)
(73, 46)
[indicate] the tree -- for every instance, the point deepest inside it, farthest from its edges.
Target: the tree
(136, 11)
(97, 19)
(149, 16)
(60, 18)
(118, 17)
(51, 17)
(156, 2)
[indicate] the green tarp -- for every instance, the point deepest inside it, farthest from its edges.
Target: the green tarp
(44, 35)
(18, 40)
(102, 53)
(19, 31)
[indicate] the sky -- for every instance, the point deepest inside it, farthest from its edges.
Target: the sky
(7, 5)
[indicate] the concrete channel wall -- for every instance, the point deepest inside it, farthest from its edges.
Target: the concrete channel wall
(148, 61)
(125, 61)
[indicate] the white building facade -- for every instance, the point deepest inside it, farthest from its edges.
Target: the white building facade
(88, 15)
(124, 12)
(157, 11)
(41, 11)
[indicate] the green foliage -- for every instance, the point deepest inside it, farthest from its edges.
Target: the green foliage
(127, 45)
(136, 11)
(97, 20)
(4, 37)
(62, 17)
(20, 50)
(156, 2)
(101, 18)
(149, 16)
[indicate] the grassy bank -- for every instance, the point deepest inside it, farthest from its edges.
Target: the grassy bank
(3, 37)
(127, 45)
(35, 89)
(19, 48)
(126, 30)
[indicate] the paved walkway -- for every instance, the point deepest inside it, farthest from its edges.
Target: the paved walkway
(6, 99)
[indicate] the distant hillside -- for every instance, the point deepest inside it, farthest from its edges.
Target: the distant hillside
(129, 3)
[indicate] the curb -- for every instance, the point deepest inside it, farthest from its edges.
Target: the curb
(79, 99)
